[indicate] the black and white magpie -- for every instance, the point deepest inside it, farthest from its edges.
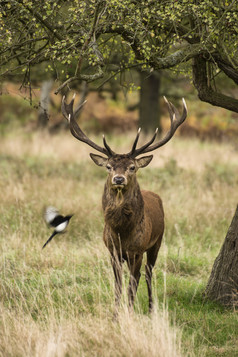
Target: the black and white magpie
(56, 220)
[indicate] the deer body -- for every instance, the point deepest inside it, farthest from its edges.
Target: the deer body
(134, 225)
(134, 219)
(133, 222)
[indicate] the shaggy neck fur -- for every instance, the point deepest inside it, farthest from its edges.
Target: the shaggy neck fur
(123, 208)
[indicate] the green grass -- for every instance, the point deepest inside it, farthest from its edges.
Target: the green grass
(59, 301)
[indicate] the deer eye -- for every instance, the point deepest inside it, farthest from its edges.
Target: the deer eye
(109, 167)
(132, 168)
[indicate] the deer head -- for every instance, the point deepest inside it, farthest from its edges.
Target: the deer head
(123, 167)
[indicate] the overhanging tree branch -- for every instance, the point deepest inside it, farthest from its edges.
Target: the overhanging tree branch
(180, 56)
(172, 60)
(81, 77)
(228, 69)
(205, 92)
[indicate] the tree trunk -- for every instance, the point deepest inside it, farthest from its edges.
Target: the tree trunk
(149, 118)
(43, 115)
(223, 282)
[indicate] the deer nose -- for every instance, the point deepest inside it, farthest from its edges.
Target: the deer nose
(118, 180)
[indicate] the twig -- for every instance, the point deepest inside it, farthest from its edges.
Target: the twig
(85, 77)
(91, 35)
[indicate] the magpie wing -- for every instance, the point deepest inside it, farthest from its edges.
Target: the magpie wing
(50, 214)
(58, 220)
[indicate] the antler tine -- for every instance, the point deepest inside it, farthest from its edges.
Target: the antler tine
(135, 142)
(175, 120)
(107, 147)
(79, 108)
(67, 110)
(141, 150)
(173, 110)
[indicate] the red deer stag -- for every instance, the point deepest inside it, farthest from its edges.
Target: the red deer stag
(134, 219)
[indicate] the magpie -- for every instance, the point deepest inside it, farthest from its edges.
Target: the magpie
(56, 220)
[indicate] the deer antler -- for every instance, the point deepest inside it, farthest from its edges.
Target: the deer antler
(69, 114)
(175, 119)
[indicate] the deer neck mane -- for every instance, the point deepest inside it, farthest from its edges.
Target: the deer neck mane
(124, 208)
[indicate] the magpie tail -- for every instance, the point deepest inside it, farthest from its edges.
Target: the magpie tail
(52, 235)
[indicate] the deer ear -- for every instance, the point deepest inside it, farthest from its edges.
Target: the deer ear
(99, 160)
(143, 161)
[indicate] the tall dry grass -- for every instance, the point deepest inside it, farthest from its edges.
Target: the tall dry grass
(60, 303)
(88, 335)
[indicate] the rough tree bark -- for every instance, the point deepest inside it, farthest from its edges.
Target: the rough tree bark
(149, 117)
(223, 282)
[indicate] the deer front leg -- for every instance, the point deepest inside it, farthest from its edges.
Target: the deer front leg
(116, 262)
(134, 266)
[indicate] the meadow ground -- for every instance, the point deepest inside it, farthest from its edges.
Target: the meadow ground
(59, 301)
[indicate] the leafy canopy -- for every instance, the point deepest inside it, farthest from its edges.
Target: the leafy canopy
(93, 37)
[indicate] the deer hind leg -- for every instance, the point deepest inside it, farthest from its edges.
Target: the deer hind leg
(134, 266)
(151, 259)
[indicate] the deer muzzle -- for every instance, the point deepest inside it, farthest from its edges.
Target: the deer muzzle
(119, 181)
